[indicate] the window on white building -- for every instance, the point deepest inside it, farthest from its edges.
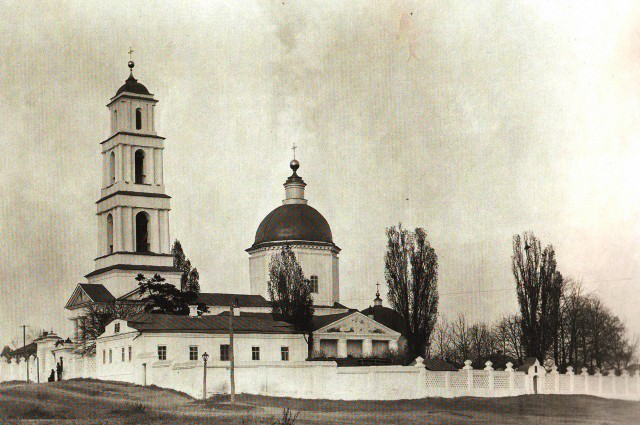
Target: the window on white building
(138, 118)
(138, 160)
(129, 353)
(162, 352)
(224, 352)
(255, 353)
(104, 356)
(112, 168)
(193, 353)
(110, 234)
(284, 354)
(122, 354)
(110, 356)
(116, 328)
(314, 284)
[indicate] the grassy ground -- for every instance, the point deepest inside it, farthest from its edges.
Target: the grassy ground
(94, 402)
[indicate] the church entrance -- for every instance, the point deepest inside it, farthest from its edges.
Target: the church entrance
(354, 348)
(329, 347)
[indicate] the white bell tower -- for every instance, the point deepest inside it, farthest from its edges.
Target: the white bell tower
(133, 210)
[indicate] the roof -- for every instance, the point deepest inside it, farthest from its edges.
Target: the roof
(97, 292)
(260, 324)
(439, 365)
(88, 293)
(133, 86)
(388, 317)
(293, 223)
(528, 362)
(244, 300)
(319, 322)
(29, 350)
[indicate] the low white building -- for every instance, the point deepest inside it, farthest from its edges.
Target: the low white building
(131, 350)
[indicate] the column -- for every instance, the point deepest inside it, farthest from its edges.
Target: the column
(126, 163)
(117, 229)
(119, 163)
(151, 172)
(393, 345)
(105, 170)
(127, 229)
(102, 230)
(585, 373)
(154, 231)
(164, 231)
(367, 347)
(489, 368)
(316, 345)
(158, 166)
(509, 369)
(342, 347)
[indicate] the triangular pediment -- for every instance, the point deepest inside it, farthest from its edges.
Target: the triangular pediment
(357, 323)
(88, 293)
(131, 296)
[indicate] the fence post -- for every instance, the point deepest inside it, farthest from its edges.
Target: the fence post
(469, 369)
(585, 373)
(422, 378)
(489, 369)
(598, 375)
(511, 377)
(556, 379)
(638, 383)
(447, 383)
(570, 373)
(612, 374)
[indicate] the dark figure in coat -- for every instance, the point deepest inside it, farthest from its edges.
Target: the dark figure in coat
(52, 377)
(59, 371)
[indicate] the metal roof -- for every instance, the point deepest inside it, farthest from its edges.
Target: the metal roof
(244, 300)
(262, 324)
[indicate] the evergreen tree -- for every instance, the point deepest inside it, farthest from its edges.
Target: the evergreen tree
(190, 279)
(162, 297)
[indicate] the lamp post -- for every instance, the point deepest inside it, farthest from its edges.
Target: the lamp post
(205, 358)
(231, 358)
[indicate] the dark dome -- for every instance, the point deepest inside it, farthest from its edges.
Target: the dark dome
(294, 222)
(133, 86)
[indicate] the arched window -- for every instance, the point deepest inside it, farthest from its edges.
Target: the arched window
(314, 284)
(138, 119)
(142, 234)
(139, 165)
(112, 168)
(110, 234)
(115, 118)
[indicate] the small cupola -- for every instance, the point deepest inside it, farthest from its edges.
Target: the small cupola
(294, 186)
(377, 302)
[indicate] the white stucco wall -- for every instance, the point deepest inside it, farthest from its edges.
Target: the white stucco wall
(318, 261)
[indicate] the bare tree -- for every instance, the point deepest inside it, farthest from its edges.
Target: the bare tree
(508, 335)
(96, 316)
(539, 288)
(411, 271)
(290, 292)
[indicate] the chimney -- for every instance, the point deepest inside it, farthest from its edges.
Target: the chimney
(193, 311)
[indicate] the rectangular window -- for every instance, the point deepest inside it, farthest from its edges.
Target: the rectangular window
(162, 352)
(255, 353)
(116, 328)
(129, 353)
(193, 353)
(314, 284)
(104, 356)
(284, 354)
(110, 356)
(224, 352)
(122, 354)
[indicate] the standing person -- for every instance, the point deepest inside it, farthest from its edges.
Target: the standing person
(59, 371)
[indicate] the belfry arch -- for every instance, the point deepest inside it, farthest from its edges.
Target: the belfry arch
(142, 232)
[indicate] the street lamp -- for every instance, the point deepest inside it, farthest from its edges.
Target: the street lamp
(205, 358)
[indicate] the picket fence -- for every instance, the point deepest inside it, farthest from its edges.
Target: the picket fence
(488, 382)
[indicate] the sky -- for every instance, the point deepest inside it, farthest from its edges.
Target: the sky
(474, 120)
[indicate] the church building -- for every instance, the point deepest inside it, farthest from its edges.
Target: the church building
(133, 238)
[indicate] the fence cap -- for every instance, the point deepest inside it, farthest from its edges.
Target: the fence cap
(584, 371)
(488, 365)
(509, 367)
(467, 365)
(569, 370)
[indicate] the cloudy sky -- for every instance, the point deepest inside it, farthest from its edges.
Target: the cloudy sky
(474, 120)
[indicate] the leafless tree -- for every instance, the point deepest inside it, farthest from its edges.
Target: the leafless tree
(96, 316)
(411, 271)
(539, 288)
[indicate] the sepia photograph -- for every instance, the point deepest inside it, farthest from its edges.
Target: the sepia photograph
(319, 212)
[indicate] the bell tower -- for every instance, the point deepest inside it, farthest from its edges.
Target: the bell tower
(133, 209)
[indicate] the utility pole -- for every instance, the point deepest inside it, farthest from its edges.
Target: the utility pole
(231, 360)
(24, 344)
